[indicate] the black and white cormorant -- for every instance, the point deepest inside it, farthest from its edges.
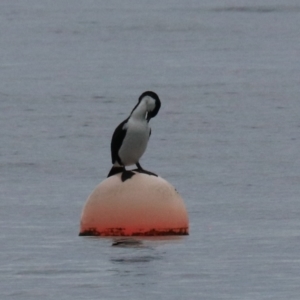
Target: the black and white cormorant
(130, 138)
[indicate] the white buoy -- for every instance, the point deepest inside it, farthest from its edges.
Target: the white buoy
(142, 205)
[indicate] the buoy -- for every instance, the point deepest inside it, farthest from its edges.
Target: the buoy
(144, 205)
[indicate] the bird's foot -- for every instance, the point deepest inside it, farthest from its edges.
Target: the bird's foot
(126, 175)
(145, 172)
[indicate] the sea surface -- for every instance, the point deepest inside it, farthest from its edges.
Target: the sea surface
(227, 137)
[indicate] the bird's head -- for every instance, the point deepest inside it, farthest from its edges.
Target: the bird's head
(152, 102)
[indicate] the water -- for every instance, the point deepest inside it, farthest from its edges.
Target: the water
(227, 137)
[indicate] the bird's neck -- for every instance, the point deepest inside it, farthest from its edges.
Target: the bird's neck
(140, 112)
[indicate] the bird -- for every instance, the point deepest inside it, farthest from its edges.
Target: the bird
(130, 138)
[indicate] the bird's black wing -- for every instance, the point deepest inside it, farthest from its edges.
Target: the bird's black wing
(116, 142)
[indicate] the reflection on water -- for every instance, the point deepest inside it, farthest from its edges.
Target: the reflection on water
(127, 242)
(141, 250)
(136, 260)
(142, 241)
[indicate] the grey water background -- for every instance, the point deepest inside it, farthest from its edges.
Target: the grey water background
(227, 137)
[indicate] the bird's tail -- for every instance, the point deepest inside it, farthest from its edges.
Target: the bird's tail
(115, 170)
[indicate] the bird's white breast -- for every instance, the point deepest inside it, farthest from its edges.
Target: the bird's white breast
(135, 141)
